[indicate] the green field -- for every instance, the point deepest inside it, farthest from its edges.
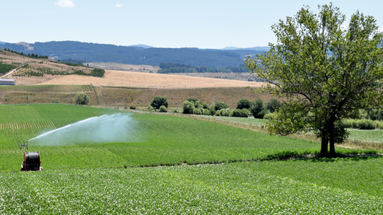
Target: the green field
(367, 135)
(347, 186)
(4, 68)
(164, 140)
(46, 88)
(90, 177)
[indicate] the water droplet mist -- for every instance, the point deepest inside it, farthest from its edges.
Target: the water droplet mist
(116, 128)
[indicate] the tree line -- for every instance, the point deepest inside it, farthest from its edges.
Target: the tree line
(184, 68)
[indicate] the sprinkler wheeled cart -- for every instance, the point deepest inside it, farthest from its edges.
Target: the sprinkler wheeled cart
(31, 162)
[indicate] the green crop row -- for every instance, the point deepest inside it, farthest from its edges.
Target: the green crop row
(46, 88)
(323, 186)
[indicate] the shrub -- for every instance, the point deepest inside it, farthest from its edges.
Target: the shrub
(175, 111)
(366, 124)
(97, 73)
(243, 103)
(81, 99)
(212, 109)
(224, 112)
(361, 124)
(220, 106)
(206, 112)
(205, 106)
(188, 107)
(132, 107)
(159, 101)
(241, 113)
(150, 108)
(197, 111)
(198, 105)
(375, 114)
(261, 114)
(163, 109)
(273, 105)
(268, 116)
(257, 110)
(193, 100)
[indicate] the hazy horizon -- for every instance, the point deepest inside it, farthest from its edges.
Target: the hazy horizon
(170, 24)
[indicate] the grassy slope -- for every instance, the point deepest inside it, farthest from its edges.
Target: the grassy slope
(367, 135)
(167, 140)
(343, 186)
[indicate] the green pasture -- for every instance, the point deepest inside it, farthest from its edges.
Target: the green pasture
(367, 135)
(164, 140)
(46, 88)
(322, 186)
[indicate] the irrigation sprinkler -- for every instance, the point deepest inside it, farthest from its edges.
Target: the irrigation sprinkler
(31, 162)
(24, 145)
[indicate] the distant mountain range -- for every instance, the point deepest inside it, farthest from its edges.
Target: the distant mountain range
(2, 42)
(258, 48)
(74, 51)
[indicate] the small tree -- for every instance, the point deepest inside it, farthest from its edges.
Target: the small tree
(81, 99)
(192, 100)
(188, 107)
(257, 109)
(220, 106)
(158, 101)
(273, 105)
(243, 103)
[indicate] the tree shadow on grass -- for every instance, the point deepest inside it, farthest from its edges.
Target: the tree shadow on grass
(315, 156)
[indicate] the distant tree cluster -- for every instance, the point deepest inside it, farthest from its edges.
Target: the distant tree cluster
(29, 55)
(245, 107)
(184, 68)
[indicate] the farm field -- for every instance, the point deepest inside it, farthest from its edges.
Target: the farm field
(219, 169)
(148, 80)
(368, 135)
(163, 140)
(333, 186)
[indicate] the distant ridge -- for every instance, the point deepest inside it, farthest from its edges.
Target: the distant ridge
(2, 42)
(257, 48)
(140, 54)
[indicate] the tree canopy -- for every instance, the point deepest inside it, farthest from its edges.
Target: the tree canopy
(324, 68)
(159, 101)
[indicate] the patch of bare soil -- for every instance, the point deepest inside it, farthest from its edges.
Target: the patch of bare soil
(150, 80)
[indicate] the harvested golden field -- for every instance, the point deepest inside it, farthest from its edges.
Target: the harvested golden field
(149, 80)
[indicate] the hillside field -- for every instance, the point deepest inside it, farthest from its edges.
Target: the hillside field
(124, 96)
(107, 177)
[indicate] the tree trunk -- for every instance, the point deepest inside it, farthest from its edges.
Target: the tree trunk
(332, 147)
(332, 140)
(324, 147)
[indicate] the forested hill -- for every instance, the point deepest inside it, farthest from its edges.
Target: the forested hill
(92, 52)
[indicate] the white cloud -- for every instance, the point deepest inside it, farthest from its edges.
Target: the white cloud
(65, 3)
(118, 5)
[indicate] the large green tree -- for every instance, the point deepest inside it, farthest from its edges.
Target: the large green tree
(324, 69)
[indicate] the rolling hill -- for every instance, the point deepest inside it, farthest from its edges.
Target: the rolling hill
(138, 54)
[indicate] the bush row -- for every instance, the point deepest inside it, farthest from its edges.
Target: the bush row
(362, 123)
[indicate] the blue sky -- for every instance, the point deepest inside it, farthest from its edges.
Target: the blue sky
(159, 23)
